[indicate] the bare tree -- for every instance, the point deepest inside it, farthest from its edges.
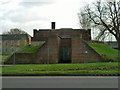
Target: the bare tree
(15, 31)
(105, 17)
(84, 20)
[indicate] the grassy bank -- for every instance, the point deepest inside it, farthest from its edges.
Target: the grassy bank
(91, 68)
(3, 58)
(105, 51)
(28, 49)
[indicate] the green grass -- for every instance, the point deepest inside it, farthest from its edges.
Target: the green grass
(29, 49)
(59, 68)
(4, 58)
(105, 51)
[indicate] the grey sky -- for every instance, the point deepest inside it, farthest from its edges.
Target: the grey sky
(30, 14)
(33, 3)
(38, 14)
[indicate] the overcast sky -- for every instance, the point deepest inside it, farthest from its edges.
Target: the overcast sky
(38, 14)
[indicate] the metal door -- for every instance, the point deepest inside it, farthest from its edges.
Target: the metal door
(65, 55)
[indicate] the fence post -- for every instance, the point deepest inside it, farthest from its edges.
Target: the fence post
(14, 60)
(85, 53)
(84, 57)
(48, 59)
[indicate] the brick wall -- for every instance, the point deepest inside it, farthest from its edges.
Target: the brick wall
(22, 58)
(52, 41)
(86, 34)
(43, 52)
(79, 47)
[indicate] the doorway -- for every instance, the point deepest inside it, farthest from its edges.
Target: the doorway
(65, 50)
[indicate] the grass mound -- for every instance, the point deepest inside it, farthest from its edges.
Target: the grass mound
(105, 51)
(29, 49)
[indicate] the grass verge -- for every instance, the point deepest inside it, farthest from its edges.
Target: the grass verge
(99, 68)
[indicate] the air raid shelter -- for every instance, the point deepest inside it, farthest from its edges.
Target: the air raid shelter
(65, 45)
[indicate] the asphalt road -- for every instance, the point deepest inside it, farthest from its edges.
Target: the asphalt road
(60, 82)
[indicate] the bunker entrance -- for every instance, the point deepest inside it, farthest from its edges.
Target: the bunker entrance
(65, 50)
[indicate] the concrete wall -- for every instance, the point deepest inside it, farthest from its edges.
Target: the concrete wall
(22, 58)
(79, 49)
(37, 43)
(41, 56)
(43, 52)
(52, 41)
(85, 34)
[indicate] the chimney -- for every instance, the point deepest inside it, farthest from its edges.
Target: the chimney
(52, 25)
(89, 32)
(34, 32)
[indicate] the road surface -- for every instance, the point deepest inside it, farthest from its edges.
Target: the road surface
(60, 82)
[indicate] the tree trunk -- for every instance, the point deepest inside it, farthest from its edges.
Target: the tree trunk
(119, 53)
(119, 44)
(118, 41)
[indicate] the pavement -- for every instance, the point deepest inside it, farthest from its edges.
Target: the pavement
(60, 82)
(5, 65)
